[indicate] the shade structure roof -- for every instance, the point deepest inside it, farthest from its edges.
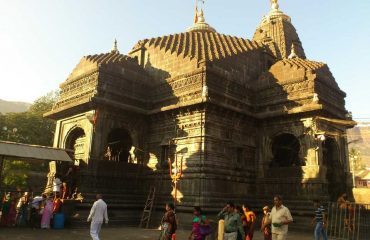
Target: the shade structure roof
(20, 151)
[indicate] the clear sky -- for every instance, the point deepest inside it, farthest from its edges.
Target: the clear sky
(41, 41)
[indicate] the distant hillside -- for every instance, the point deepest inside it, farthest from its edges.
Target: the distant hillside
(359, 138)
(9, 106)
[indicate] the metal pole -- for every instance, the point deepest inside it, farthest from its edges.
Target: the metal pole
(358, 223)
(2, 158)
(353, 171)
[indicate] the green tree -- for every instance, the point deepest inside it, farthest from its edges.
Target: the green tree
(27, 127)
(15, 174)
(30, 127)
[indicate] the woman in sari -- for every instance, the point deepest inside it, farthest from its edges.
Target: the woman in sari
(168, 223)
(266, 229)
(199, 220)
(9, 211)
(248, 220)
(47, 213)
(57, 204)
(5, 210)
(21, 219)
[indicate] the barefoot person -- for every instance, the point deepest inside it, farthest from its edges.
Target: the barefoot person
(279, 218)
(98, 214)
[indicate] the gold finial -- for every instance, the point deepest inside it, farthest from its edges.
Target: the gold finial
(196, 10)
(201, 16)
(274, 5)
(115, 49)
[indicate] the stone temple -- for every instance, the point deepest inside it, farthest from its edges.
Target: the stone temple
(247, 119)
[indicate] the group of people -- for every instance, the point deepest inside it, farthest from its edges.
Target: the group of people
(239, 222)
(25, 209)
(65, 189)
(236, 222)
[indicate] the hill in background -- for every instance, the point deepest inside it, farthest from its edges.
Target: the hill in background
(9, 106)
(359, 139)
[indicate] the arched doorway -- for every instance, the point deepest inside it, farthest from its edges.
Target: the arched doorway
(335, 170)
(119, 145)
(76, 141)
(285, 150)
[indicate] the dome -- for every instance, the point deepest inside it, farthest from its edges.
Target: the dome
(200, 24)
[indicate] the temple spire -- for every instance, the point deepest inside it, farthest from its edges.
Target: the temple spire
(115, 48)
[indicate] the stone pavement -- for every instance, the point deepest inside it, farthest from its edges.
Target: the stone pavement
(108, 233)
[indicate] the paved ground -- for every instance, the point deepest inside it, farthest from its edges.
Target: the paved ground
(108, 233)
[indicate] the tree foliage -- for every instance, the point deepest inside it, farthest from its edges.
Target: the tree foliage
(15, 174)
(27, 127)
(30, 127)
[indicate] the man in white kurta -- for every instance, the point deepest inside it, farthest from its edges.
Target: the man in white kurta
(98, 214)
(279, 219)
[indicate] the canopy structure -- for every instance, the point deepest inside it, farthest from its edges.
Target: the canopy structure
(20, 151)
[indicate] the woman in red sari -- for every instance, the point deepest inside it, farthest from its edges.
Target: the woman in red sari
(57, 204)
(248, 220)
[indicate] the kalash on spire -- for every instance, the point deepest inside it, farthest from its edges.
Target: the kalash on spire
(200, 24)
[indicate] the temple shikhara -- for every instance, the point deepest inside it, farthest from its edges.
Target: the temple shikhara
(241, 119)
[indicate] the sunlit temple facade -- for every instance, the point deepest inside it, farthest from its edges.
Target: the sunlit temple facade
(244, 119)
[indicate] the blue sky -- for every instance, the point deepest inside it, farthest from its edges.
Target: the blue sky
(41, 41)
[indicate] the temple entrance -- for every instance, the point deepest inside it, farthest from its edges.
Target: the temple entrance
(76, 142)
(285, 149)
(119, 146)
(335, 172)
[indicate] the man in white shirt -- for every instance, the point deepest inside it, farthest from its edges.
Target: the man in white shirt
(279, 218)
(98, 214)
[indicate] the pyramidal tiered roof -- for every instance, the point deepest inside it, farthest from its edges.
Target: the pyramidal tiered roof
(110, 59)
(202, 45)
(302, 63)
(106, 58)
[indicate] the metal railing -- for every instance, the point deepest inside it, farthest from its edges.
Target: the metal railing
(348, 221)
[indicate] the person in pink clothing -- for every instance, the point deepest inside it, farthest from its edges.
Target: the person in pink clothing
(47, 213)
